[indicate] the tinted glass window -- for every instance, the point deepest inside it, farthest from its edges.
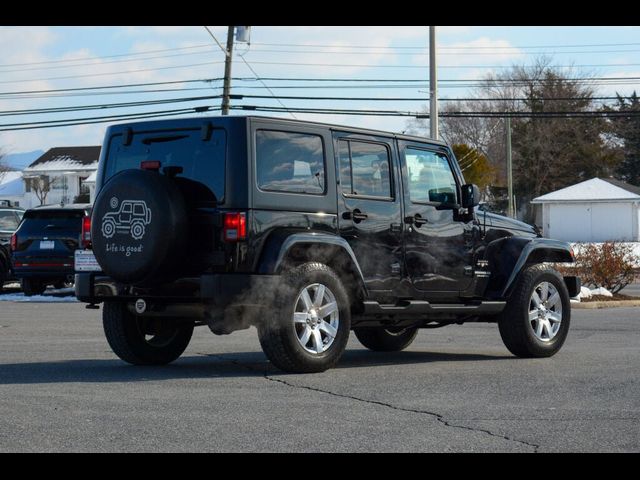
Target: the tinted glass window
(40, 221)
(370, 169)
(430, 177)
(345, 166)
(8, 220)
(290, 162)
(202, 161)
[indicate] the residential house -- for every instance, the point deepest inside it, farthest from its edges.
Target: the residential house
(59, 176)
(596, 210)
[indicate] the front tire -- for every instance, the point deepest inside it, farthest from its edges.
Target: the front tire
(144, 340)
(307, 327)
(386, 339)
(535, 323)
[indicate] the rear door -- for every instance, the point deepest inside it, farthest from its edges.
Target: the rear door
(369, 211)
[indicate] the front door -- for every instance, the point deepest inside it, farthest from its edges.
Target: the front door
(369, 212)
(438, 241)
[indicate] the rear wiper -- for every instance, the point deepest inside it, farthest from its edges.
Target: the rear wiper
(166, 138)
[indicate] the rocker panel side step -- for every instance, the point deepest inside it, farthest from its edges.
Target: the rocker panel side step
(419, 307)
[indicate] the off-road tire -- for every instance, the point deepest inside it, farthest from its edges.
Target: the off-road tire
(386, 339)
(277, 331)
(31, 286)
(4, 273)
(515, 327)
(124, 332)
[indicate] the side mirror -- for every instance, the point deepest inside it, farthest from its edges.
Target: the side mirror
(470, 196)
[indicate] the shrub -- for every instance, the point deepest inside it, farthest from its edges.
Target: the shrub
(611, 265)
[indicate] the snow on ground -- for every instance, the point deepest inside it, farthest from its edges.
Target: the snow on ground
(51, 295)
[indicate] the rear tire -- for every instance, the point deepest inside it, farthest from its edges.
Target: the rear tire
(144, 340)
(535, 323)
(307, 327)
(32, 287)
(386, 339)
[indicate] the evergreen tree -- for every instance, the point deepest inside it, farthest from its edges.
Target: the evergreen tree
(627, 129)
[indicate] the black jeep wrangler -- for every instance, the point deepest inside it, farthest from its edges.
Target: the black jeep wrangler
(307, 231)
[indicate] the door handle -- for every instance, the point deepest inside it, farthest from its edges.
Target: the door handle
(358, 216)
(416, 220)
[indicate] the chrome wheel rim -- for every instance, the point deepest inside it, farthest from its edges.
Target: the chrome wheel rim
(545, 311)
(316, 318)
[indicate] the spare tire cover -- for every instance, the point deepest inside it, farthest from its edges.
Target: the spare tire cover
(138, 227)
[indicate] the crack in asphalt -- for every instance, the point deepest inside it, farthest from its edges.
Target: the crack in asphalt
(438, 417)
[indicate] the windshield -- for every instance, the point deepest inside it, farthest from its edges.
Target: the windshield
(202, 161)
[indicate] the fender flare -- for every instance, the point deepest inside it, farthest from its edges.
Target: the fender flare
(533, 250)
(509, 256)
(279, 245)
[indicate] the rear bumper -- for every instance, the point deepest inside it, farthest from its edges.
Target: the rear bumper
(43, 272)
(217, 290)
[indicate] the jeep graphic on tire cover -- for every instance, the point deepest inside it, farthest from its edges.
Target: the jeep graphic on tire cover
(131, 218)
(132, 240)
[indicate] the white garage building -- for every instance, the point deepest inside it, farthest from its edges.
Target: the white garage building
(596, 210)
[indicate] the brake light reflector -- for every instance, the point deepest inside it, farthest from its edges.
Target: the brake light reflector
(234, 227)
(86, 232)
(14, 242)
(150, 165)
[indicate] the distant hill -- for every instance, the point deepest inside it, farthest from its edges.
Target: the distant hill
(20, 161)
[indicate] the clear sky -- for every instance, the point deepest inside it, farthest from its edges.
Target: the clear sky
(33, 59)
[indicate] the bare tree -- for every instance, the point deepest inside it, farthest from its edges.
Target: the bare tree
(549, 151)
(40, 185)
(4, 168)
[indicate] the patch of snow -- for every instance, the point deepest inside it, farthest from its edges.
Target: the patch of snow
(52, 295)
(63, 163)
(589, 190)
(601, 291)
(584, 293)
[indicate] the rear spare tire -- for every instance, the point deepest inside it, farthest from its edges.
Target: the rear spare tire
(139, 227)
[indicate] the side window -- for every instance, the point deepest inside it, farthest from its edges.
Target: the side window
(430, 177)
(290, 162)
(365, 169)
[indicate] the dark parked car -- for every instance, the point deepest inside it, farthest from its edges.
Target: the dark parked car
(44, 244)
(9, 219)
(306, 231)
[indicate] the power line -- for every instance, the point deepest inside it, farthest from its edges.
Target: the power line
(103, 119)
(105, 106)
(66, 77)
(468, 47)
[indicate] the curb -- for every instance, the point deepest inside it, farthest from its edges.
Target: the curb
(599, 305)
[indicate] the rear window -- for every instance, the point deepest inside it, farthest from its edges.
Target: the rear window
(54, 214)
(202, 161)
(40, 220)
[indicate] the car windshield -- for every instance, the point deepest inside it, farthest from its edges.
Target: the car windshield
(202, 161)
(8, 220)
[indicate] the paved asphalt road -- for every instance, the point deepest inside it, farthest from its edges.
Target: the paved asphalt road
(455, 389)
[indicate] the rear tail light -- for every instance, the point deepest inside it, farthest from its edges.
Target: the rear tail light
(14, 242)
(86, 232)
(234, 227)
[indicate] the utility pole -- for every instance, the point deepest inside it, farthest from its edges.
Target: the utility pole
(226, 89)
(433, 84)
(507, 126)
